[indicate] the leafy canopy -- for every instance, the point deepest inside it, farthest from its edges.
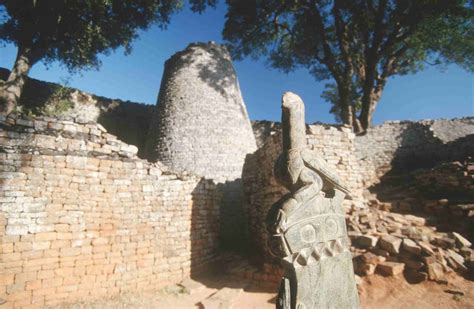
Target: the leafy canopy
(358, 44)
(76, 31)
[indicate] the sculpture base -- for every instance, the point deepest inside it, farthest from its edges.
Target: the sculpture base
(328, 283)
(318, 263)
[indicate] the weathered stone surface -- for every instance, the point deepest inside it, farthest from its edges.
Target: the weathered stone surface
(366, 241)
(415, 275)
(461, 241)
(435, 272)
(411, 246)
(456, 260)
(380, 252)
(411, 143)
(201, 123)
(371, 258)
(109, 205)
(416, 220)
(426, 248)
(82, 222)
(413, 264)
(368, 269)
(391, 268)
(307, 226)
(390, 243)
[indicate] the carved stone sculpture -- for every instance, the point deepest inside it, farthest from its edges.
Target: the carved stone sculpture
(307, 226)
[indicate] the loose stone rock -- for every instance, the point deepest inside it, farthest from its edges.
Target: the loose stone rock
(426, 248)
(435, 272)
(391, 268)
(461, 241)
(390, 243)
(410, 246)
(366, 241)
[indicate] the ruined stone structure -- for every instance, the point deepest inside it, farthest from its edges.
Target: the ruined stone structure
(334, 144)
(82, 217)
(360, 161)
(129, 121)
(201, 124)
(397, 145)
(406, 145)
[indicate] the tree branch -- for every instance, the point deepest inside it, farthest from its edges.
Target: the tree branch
(330, 60)
(390, 67)
(341, 35)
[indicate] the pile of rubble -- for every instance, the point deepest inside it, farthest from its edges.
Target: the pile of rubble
(455, 177)
(392, 243)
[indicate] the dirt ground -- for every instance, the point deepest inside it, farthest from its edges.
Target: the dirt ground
(375, 292)
(395, 292)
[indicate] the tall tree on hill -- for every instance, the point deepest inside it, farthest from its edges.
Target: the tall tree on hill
(357, 44)
(74, 32)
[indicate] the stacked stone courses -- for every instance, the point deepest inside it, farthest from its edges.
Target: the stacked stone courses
(82, 217)
(398, 145)
(360, 161)
(405, 145)
(334, 144)
(201, 123)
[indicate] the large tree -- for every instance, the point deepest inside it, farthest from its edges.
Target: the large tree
(355, 44)
(74, 32)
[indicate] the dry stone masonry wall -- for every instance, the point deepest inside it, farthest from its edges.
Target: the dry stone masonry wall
(82, 217)
(360, 160)
(129, 121)
(334, 144)
(201, 123)
(406, 145)
(400, 145)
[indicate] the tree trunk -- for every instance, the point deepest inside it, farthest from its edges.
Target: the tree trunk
(356, 126)
(11, 90)
(345, 106)
(369, 102)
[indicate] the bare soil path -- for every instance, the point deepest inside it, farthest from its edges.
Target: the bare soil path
(223, 292)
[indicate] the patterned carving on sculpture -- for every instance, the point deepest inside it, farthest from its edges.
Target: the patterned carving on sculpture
(307, 225)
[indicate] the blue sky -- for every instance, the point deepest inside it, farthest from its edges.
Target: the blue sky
(429, 94)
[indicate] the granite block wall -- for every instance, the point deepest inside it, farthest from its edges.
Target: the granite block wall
(82, 217)
(201, 122)
(403, 146)
(334, 144)
(360, 161)
(129, 121)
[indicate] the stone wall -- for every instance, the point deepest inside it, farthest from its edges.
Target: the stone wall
(451, 179)
(262, 129)
(360, 161)
(201, 123)
(334, 144)
(129, 121)
(401, 146)
(82, 217)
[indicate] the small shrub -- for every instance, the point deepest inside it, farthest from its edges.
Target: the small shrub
(59, 101)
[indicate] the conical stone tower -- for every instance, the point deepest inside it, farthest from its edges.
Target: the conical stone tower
(201, 123)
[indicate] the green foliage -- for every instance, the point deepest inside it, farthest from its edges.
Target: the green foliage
(74, 32)
(358, 44)
(57, 103)
(331, 95)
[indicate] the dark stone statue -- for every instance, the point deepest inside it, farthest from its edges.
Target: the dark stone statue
(307, 226)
